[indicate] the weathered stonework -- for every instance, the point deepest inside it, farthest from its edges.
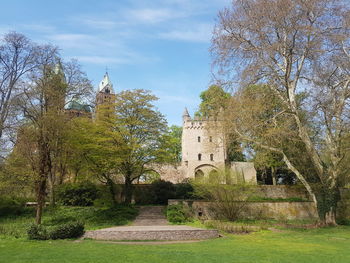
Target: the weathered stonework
(152, 233)
(258, 210)
(204, 153)
(343, 210)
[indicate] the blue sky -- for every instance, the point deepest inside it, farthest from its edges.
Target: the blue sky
(159, 45)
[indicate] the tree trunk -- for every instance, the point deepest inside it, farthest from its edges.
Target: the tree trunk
(52, 194)
(44, 164)
(41, 193)
(128, 189)
(52, 179)
(111, 186)
(327, 205)
(273, 175)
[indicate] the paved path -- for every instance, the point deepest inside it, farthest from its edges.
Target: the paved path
(151, 224)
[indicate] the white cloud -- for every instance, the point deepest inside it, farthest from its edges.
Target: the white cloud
(39, 28)
(201, 33)
(71, 40)
(101, 60)
(151, 15)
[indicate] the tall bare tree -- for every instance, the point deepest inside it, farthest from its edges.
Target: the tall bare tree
(51, 85)
(17, 58)
(293, 47)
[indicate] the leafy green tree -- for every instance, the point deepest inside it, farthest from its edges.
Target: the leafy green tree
(141, 127)
(214, 100)
(95, 149)
(171, 145)
(293, 47)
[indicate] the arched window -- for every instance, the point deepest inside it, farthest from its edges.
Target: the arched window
(211, 157)
(199, 157)
(199, 139)
(210, 139)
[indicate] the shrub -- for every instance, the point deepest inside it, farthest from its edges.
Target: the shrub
(227, 201)
(82, 194)
(11, 206)
(37, 232)
(67, 230)
(118, 215)
(184, 191)
(144, 195)
(62, 231)
(163, 190)
(60, 219)
(230, 227)
(178, 214)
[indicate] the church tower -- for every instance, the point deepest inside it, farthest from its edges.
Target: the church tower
(105, 92)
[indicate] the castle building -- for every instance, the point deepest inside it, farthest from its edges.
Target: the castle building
(204, 154)
(203, 146)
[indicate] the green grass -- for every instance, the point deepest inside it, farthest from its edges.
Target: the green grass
(93, 218)
(315, 245)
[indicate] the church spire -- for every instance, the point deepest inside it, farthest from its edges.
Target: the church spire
(105, 84)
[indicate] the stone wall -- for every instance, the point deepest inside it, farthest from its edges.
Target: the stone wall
(282, 191)
(343, 210)
(257, 210)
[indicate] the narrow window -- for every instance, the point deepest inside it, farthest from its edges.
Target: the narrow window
(199, 139)
(211, 157)
(210, 139)
(199, 157)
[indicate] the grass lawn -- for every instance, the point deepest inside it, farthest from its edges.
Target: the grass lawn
(314, 245)
(93, 218)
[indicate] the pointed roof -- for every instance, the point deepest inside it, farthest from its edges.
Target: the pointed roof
(186, 114)
(58, 68)
(105, 83)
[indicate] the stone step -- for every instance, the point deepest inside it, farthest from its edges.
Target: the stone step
(147, 222)
(171, 233)
(150, 218)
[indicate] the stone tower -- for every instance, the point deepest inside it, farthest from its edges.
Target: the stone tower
(203, 146)
(105, 92)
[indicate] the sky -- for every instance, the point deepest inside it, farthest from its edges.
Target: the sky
(157, 45)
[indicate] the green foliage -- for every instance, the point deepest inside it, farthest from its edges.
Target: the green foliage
(118, 215)
(11, 206)
(163, 190)
(144, 195)
(184, 191)
(67, 230)
(227, 200)
(230, 227)
(92, 217)
(81, 194)
(178, 214)
(171, 145)
(268, 199)
(61, 231)
(214, 99)
(37, 232)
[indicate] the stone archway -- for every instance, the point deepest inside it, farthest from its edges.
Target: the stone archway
(199, 174)
(205, 171)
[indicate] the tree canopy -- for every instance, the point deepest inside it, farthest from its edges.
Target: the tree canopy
(293, 48)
